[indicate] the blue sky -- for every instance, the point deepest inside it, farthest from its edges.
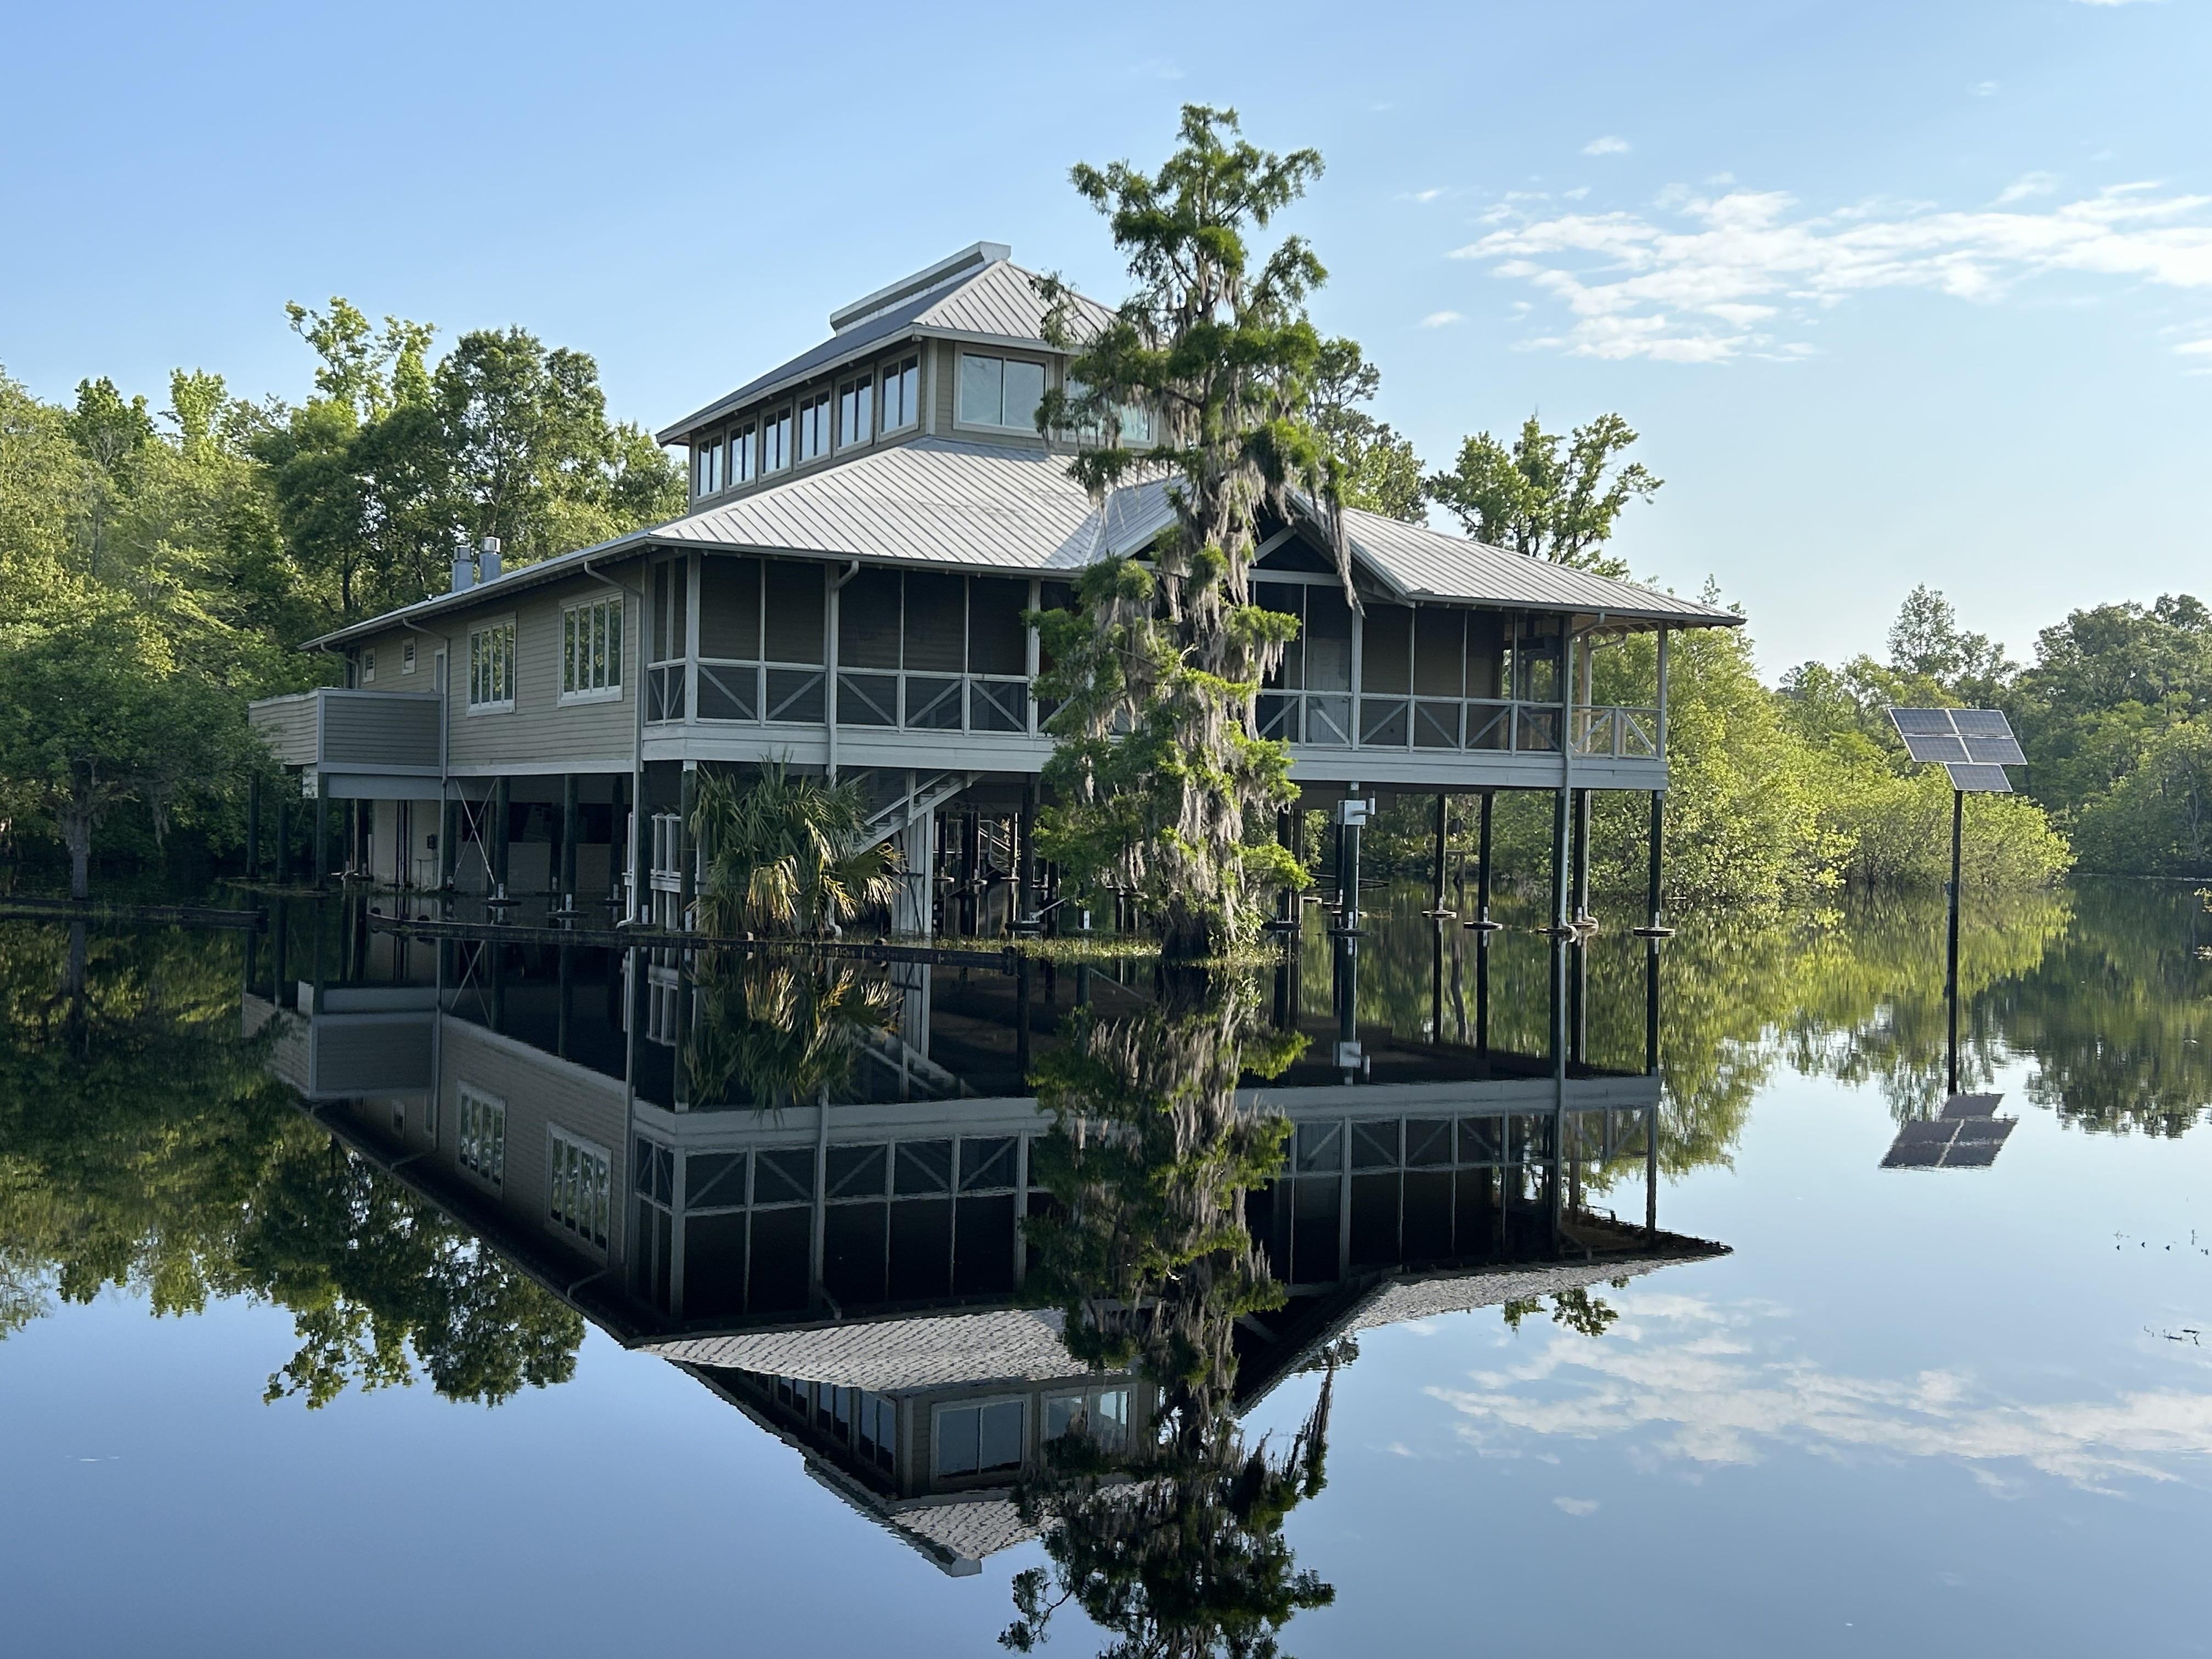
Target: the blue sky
(1895, 293)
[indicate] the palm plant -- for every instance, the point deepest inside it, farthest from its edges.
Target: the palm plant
(784, 855)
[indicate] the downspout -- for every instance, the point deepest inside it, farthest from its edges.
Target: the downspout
(829, 701)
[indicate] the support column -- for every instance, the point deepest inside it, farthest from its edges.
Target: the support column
(319, 821)
(1951, 949)
(1582, 799)
(1026, 904)
(502, 796)
(1561, 917)
(252, 825)
(281, 862)
(566, 880)
(449, 841)
(687, 861)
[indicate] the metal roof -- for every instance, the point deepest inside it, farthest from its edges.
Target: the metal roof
(945, 504)
(997, 302)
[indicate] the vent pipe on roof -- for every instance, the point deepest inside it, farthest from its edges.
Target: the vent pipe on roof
(488, 565)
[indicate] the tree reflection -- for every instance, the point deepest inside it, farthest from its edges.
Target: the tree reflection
(778, 1031)
(144, 1144)
(1173, 1542)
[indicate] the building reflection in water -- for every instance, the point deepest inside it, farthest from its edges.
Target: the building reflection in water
(820, 1186)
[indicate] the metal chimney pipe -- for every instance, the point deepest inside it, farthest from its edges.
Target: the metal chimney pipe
(489, 564)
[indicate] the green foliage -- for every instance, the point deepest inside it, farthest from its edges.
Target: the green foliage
(1161, 785)
(1550, 496)
(1377, 470)
(1175, 1543)
(183, 557)
(144, 1144)
(778, 1032)
(781, 855)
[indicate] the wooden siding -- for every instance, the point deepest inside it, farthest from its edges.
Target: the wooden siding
(542, 733)
(542, 1093)
(287, 724)
(378, 727)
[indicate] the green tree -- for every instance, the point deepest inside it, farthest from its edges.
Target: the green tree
(1376, 470)
(97, 708)
(784, 854)
(1549, 497)
(1160, 785)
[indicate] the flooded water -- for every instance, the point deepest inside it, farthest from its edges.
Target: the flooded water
(379, 1278)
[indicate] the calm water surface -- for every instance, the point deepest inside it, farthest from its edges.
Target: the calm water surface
(360, 1289)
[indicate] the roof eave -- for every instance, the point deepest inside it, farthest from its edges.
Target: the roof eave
(636, 542)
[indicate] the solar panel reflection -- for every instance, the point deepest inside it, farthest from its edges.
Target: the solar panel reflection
(1923, 722)
(1979, 780)
(1945, 748)
(2001, 751)
(1981, 722)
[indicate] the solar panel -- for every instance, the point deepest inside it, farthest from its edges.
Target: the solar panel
(1945, 748)
(1979, 780)
(1960, 1106)
(1981, 722)
(1923, 722)
(2003, 751)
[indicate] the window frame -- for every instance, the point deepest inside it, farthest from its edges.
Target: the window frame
(611, 691)
(407, 656)
(586, 1150)
(861, 389)
(466, 1093)
(998, 1473)
(489, 705)
(746, 432)
(895, 369)
(819, 410)
(769, 420)
(960, 421)
(368, 664)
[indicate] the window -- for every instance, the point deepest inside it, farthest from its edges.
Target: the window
(491, 667)
(707, 465)
(483, 1135)
(856, 413)
(814, 427)
(901, 393)
(579, 1198)
(1136, 419)
(776, 442)
(369, 666)
(745, 453)
(984, 1439)
(407, 656)
(1104, 1414)
(1000, 390)
(591, 650)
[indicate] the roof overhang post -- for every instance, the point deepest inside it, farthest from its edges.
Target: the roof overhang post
(1664, 633)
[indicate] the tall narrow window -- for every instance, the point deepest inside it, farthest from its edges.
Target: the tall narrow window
(591, 650)
(856, 413)
(578, 1199)
(491, 667)
(775, 442)
(483, 1135)
(814, 427)
(407, 656)
(745, 453)
(901, 393)
(369, 666)
(709, 453)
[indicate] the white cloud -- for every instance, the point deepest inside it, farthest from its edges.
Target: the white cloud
(1418, 195)
(1160, 69)
(1708, 278)
(1687, 1370)
(1576, 193)
(2195, 348)
(1984, 89)
(1441, 319)
(1577, 1505)
(1608, 145)
(2027, 184)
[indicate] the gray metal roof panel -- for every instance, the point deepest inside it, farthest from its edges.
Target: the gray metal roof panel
(998, 300)
(1435, 564)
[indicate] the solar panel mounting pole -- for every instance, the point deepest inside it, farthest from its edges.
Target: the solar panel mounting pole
(1951, 963)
